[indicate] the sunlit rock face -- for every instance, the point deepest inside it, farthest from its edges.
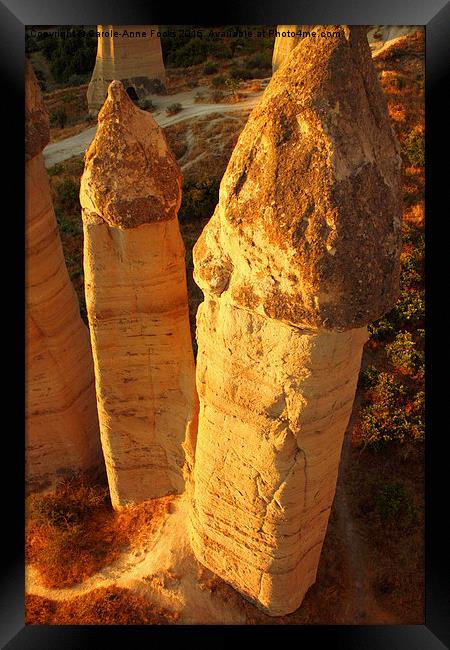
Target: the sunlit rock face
(136, 297)
(302, 252)
(62, 434)
(136, 60)
(284, 45)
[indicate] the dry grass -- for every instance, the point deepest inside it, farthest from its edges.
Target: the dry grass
(74, 101)
(73, 532)
(105, 606)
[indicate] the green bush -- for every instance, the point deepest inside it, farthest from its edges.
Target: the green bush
(369, 377)
(59, 117)
(67, 193)
(391, 416)
(260, 60)
(410, 307)
(193, 52)
(406, 354)
(76, 80)
(41, 80)
(173, 109)
(382, 328)
(210, 68)
(66, 225)
(55, 169)
(218, 82)
(393, 501)
(199, 199)
(414, 148)
(146, 105)
(236, 72)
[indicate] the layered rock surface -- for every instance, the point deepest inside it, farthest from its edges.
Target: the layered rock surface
(62, 434)
(136, 299)
(135, 60)
(301, 253)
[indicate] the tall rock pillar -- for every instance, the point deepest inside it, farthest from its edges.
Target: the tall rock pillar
(301, 253)
(62, 434)
(136, 297)
(131, 54)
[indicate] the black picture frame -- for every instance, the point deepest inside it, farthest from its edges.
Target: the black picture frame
(435, 15)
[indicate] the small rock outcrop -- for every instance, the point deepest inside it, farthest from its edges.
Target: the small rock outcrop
(62, 433)
(302, 252)
(134, 60)
(136, 297)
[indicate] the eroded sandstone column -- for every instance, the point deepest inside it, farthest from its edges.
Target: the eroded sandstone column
(136, 299)
(134, 60)
(62, 434)
(301, 253)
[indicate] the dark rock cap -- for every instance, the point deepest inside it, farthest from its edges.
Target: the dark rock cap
(130, 176)
(307, 229)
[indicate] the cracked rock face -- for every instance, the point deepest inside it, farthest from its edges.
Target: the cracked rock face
(136, 298)
(307, 228)
(62, 433)
(301, 253)
(136, 61)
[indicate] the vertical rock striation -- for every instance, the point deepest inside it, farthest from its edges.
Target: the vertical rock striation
(136, 298)
(62, 433)
(284, 45)
(301, 253)
(134, 60)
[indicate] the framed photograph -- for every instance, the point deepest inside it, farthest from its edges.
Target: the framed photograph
(229, 417)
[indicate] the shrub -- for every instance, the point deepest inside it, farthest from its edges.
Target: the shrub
(260, 60)
(414, 147)
(76, 80)
(369, 377)
(393, 501)
(236, 72)
(55, 169)
(404, 352)
(391, 416)
(191, 53)
(70, 533)
(67, 192)
(146, 105)
(41, 79)
(199, 199)
(173, 109)
(382, 328)
(210, 68)
(410, 307)
(58, 117)
(411, 271)
(218, 82)
(66, 225)
(233, 85)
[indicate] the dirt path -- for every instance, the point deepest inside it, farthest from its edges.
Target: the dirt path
(77, 144)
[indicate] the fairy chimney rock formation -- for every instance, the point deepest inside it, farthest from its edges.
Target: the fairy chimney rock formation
(131, 54)
(302, 252)
(136, 298)
(62, 434)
